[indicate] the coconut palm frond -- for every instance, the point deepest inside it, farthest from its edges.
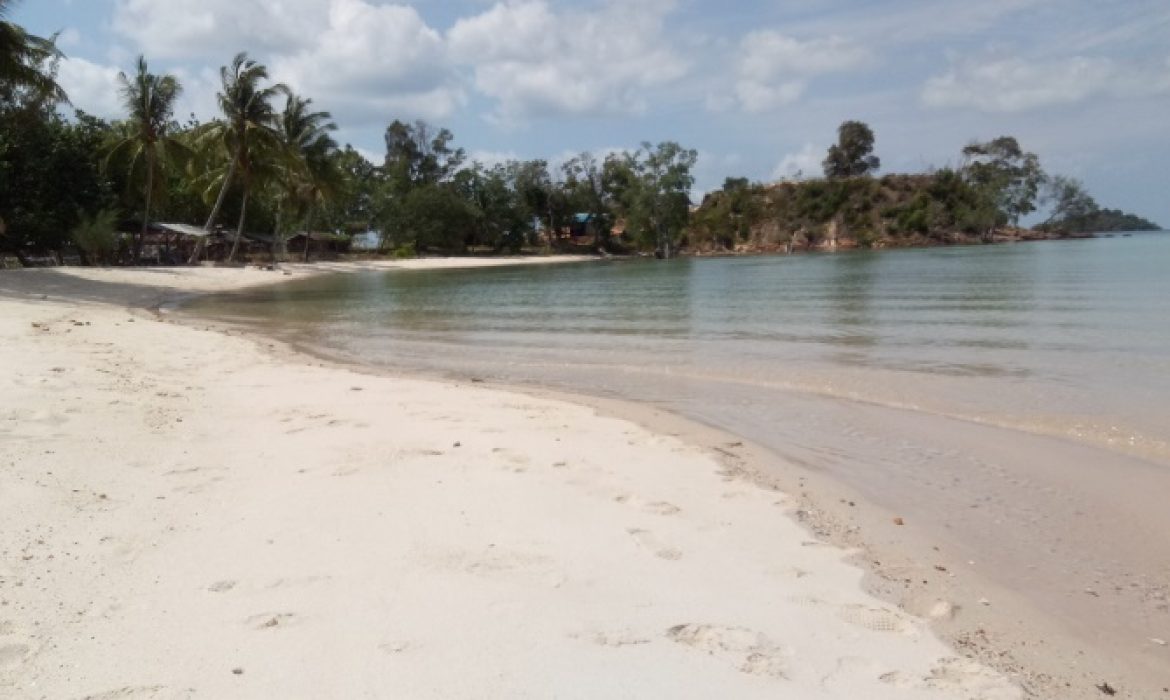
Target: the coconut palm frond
(28, 62)
(145, 143)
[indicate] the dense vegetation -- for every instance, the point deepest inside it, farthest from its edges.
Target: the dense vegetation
(1106, 220)
(983, 200)
(1075, 211)
(269, 165)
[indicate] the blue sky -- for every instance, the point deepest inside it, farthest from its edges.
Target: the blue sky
(757, 86)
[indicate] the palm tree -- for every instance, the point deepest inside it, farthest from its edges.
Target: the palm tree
(145, 143)
(248, 134)
(23, 57)
(313, 177)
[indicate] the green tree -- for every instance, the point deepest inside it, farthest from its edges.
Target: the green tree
(727, 215)
(586, 192)
(26, 64)
(354, 208)
(145, 145)
(656, 200)
(416, 155)
(50, 177)
(424, 199)
(539, 197)
(1006, 175)
(1068, 201)
(429, 217)
(311, 175)
(247, 136)
(852, 156)
(500, 214)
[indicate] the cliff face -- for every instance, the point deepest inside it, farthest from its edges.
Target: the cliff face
(891, 211)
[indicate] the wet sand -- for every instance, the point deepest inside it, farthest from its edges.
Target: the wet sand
(1054, 554)
(1020, 548)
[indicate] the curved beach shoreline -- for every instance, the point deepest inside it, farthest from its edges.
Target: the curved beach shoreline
(325, 531)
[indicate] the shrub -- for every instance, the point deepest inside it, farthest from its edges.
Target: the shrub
(97, 236)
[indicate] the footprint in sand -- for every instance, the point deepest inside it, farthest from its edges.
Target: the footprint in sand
(851, 669)
(646, 540)
(142, 691)
(662, 508)
(299, 582)
(958, 676)
(970, 677)
(876, 619)
(515, 461)
(123, 551)
(624, 638)
(13, 655)
(267, 621)
(900, 679)
(747, 650)
(872, 618)
(198, 487)
(498, 563)
(654, 508)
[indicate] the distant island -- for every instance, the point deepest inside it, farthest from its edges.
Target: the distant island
(982, 201)
(1105, 221)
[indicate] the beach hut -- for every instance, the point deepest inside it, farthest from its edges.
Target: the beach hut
(174, 243)
(583, 225)
(319, 242)
(171, 243)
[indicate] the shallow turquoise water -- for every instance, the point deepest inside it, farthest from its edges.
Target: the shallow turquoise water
(1066, 338)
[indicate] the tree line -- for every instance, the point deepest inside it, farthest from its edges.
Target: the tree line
(269, 163)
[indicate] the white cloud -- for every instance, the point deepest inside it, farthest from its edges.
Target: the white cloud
(775, 69)
(533, 60)
(198, 98)
(69, 38)
(900, 22)
(92, 88)
(1017, 85)
(375, 62)
(804, 164)
(215, 28)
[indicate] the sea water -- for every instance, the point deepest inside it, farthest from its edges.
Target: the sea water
(1068, 339)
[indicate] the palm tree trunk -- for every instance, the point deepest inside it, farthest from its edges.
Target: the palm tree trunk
(240, 228)
(550, 234)
(277, 237)
(308, 232)
(227, 181)
(146, 208)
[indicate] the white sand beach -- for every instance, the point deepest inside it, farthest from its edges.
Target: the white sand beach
(186, 513)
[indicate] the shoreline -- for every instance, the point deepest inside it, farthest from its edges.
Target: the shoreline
(905, 565)
(235, 524)
(823, 506)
